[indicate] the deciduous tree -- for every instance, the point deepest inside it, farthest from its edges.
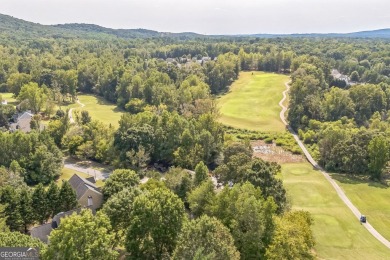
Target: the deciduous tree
(82, 236)
(155, 223)
(120, 179)
(207, 237)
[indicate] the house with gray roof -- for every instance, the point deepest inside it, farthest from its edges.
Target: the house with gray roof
(22, 122)
(42, 232)
(88, 194)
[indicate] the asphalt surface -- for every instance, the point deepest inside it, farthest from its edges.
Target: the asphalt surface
(338, 189)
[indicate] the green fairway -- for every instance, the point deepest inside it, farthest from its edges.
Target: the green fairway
(253, 102)
(338, 233)
(100, 109)
(371, 198)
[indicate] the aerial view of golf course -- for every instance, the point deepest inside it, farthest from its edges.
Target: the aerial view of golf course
(252, 103)
(199, 130)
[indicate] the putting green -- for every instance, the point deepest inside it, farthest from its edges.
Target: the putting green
(253, 102)
(337, 232)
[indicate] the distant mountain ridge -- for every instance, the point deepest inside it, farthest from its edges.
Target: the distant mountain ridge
(11, 26)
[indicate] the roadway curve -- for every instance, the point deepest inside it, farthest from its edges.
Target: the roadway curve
(338, 189)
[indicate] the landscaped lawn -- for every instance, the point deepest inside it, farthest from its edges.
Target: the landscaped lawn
(338, 233)
(100, 109)
(68, 173)
(252, 102)
(9, 97)
(371, 198)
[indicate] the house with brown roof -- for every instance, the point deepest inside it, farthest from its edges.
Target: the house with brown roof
(88, 194)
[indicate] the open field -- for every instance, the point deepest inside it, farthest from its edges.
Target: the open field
(371, 198)
(100, 109)
(252, 102)
(9, 97)
(338, 233)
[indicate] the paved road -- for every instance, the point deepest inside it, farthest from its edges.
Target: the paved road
(99, 175)
(70, 113)
(339, 191)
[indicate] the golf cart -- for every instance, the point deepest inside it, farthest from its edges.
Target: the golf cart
(363, 219)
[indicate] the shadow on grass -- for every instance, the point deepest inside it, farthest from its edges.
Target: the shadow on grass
(86, 164)
(102, 102)
(356, 179)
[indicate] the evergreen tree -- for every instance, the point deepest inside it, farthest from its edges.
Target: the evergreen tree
(201, 173)
(39, 204)
(12, 209)
(26, 210)
(67, 198)
(52, 196)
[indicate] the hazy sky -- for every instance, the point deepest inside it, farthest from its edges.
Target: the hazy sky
(210, 16)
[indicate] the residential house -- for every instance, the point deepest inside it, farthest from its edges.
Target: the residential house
(42, 232)
(22, 122)
(88, 194)
(4, 102)
(206, 59)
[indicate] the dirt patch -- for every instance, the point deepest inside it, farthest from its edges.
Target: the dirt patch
(273, 153)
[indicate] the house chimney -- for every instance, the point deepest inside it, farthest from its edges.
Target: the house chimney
(90, 202)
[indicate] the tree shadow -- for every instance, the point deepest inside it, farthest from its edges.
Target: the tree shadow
(356, 179)
(88, 164)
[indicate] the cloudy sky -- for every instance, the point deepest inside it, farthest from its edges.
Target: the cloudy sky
(210, 16)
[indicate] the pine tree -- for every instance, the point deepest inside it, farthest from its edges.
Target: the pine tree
(12, 212)
(52, 196)
(25, 208)
(67, 197)
(40, 204)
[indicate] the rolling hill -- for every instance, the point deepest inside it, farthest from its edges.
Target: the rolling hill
(17, 28)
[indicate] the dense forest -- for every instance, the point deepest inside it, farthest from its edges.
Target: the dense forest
(167, 85)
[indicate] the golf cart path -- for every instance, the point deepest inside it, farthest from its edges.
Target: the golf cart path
(338, 189)
(70, 113)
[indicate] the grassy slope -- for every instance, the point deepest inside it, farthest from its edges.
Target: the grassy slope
(371, 198)
(338, 233)
(101, 110)
(242, 107)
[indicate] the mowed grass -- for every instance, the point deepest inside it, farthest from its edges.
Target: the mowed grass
(100, 109)
(371, 198)
(66, 174)
(10, 98)
(253, 102)
(338, 233)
